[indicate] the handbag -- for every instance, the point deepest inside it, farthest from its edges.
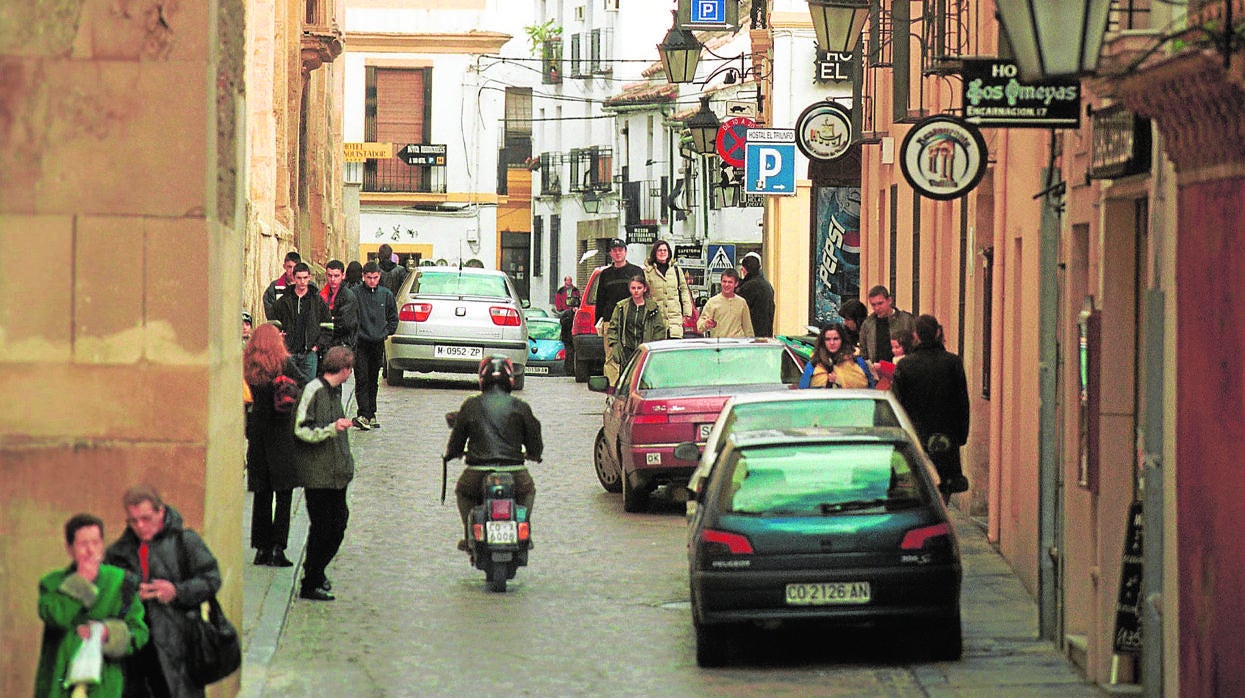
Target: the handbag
(213, 647)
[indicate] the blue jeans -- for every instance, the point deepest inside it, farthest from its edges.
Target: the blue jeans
(307, 363)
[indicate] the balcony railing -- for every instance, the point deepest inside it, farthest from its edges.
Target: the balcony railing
(394, 175)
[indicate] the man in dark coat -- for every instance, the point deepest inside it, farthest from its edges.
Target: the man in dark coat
(875, 332)
(378, 318)
(325, 467)
(392, 274)
(178, 573)
(301, 313)
(931, 386)
(613, 285)
(757, 290)
(343, 307)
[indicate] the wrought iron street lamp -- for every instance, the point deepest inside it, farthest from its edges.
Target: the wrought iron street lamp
(704, 128)
(838, 23)
(1054, 38)
(680, 54)
(591, 202)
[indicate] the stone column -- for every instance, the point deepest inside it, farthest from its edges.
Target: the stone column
(120, 268)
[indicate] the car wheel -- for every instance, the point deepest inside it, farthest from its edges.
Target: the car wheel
(944, 639)
(608, 475)
(519, 380)
(581, 370)
(393, 376)
(635, 499)
(712, 645)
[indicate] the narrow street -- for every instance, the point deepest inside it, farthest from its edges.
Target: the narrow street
(601, 609)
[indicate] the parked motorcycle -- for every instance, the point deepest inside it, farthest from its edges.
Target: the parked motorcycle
(498, 534)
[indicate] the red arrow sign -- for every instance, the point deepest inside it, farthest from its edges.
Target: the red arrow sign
(732, 136)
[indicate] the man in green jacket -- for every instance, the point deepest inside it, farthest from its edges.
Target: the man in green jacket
(71, 600)
(325, 468)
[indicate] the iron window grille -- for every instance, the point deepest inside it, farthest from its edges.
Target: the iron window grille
(592, 169)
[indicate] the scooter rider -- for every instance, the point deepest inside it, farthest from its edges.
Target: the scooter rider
(497, 431)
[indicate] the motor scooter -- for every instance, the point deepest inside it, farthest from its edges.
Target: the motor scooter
(498, 533)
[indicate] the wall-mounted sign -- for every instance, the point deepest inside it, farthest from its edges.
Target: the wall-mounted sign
(732, 135)
(1121, 143)
(833, 67)
(423, 154)
(641, 234)
(943, 157)
(769, 161)
(688, 251)
(362, 152)
(994, 95)
(824, 131)
(741, 108)
(708, 14)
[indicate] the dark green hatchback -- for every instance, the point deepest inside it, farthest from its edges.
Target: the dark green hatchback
(832, 525)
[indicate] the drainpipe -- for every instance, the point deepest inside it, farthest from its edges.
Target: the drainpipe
(1048, 389)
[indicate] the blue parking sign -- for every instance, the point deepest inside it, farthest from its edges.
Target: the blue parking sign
(708, 11)
(769, 168)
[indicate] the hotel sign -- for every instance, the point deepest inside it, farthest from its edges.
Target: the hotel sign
(362, 152)
(1121, 143)
(994, 96)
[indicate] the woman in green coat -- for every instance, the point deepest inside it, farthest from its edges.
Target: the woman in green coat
(72, 598)
(636, 319)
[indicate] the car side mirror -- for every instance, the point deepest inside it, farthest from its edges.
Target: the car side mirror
(599, 384)
(687, 450)
(525, 303)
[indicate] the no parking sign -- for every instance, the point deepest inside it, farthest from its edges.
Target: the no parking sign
(732, 137)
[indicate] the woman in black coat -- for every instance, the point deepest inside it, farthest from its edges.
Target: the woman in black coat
(270, 445)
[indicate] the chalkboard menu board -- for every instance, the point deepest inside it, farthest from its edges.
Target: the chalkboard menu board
(1128, 606)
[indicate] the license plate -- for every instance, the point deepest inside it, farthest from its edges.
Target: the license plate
(501, 531)
(537, 370)
(828, 594)
(444, 352)
(704, 430)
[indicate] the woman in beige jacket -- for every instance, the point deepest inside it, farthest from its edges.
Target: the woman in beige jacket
(668, 287)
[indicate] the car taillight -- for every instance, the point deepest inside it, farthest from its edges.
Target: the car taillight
(584, 323)
(561, 355)
(415, 312)
(918, 538)
(650, 419)
(501, 315)
(720, 543)
(477, 531)
(499, 510)
(525, 530)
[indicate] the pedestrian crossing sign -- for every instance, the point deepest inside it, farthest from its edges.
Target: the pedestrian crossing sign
(721, 257)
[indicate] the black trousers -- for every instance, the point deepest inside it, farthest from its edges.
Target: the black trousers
(144, 677)
(328, 513)
(269, 528)
(368, 358)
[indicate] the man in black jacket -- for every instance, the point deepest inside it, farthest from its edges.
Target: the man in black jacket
(301, 314)
(378, 318)
(931, 386)
(497, 431)
(613, 285)
(757, 290)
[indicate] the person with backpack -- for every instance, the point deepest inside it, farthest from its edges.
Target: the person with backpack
(668, 288)
(392, 274)
(835, 365)
(275, 383)
(86, 599)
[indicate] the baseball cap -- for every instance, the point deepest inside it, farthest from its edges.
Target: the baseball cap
(618, 242)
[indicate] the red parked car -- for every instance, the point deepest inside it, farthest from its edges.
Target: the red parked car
(587, 349)
(671, 391)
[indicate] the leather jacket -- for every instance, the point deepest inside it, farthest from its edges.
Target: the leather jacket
(497, 428)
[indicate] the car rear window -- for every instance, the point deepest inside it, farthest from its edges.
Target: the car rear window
(727, 365)
(536, 329)
(810, 413)
(820, 479)
(454, 284)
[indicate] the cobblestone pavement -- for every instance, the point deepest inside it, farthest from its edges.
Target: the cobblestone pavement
(601, 608)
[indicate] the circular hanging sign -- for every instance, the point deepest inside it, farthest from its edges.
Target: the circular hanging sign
(943, 157)
(824, 131)
(732, 137)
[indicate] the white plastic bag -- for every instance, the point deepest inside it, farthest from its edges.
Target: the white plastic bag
(88, 662)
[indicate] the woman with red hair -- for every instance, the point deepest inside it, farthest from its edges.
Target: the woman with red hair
(270, 444)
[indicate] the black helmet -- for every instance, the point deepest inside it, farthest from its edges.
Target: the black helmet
(496, 370)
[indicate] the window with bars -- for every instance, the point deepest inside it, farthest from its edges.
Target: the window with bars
(551, 61)
(397, 109)
(576, 65)
(550, 175)
(517, 146)
(592, 169)
(945, 35)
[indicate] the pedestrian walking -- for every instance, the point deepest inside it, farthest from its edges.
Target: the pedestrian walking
(834, 364)
(567, 295)
(759, 293)
(931, 386)
(325, 467)
(354, 275)
(343, 307)
(178, 573)
(637, 319)
(667, 287)
(270, 472)
(92, 618)
(392, 274)
(726, 314)
(853, 313)
(875, 331)
(282, 284)
(613, 285)
(302, 315)
(378, 318)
